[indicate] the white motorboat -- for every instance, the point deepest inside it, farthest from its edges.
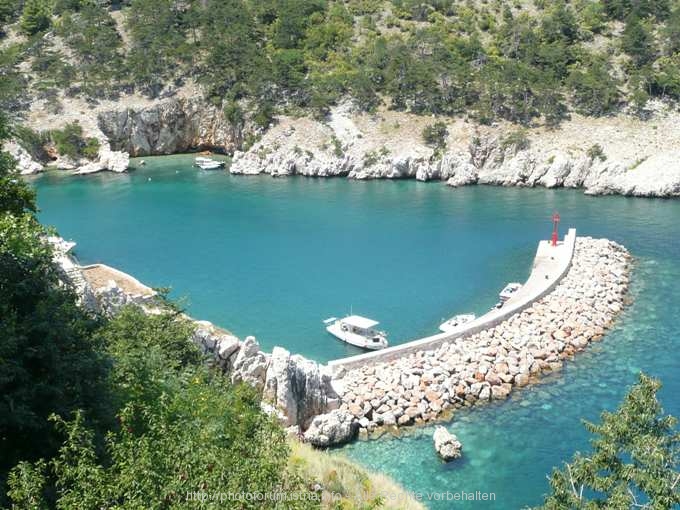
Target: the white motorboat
(456, 322)
(509, 291)
(207, 163)
(358, 331)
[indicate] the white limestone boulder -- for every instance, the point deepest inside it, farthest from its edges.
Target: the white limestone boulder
(446, 444)
(333, 428)
(25, 163)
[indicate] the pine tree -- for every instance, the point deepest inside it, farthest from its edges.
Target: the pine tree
(36, 16)
(635, 461)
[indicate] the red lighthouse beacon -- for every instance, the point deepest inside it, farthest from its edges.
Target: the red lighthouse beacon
(556, 221)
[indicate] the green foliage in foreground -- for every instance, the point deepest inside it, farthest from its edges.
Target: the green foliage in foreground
(635, 461)
(15, 196)
(36, 16)
(116, 413)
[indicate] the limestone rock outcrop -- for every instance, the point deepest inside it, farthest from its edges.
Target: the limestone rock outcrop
(447, 444)
(339, 148)
(298, 387)
(169, 126)
(25, 163)
(333, 428)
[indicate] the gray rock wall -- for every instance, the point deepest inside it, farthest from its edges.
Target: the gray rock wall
(169, 126)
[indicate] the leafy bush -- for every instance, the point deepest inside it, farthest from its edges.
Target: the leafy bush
(371, 158)
(435, 134)
(596, 152)
(91, 148)
(595, 91)
(68, 140)
(33, 141)
(634, 462)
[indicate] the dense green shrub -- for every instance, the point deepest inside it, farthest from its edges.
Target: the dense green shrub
(596, 152)
(595, 91)
(35, 16)
(435, 134)
(518, 140)
(68, 140)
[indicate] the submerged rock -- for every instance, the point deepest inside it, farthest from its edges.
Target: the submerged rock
(447, 445)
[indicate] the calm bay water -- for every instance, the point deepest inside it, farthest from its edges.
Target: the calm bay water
(274, 257)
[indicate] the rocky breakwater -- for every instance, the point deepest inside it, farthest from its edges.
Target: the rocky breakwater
(490, 364)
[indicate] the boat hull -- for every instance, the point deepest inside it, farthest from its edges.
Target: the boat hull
(356, 340)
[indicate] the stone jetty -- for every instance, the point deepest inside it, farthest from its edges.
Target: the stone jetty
(425, 382)
(489, 365)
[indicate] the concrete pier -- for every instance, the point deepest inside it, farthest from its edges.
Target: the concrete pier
(551, 263)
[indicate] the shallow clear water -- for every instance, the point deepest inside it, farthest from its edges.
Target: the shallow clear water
(274, 257)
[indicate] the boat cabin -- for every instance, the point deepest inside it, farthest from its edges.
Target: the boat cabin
(359, 325)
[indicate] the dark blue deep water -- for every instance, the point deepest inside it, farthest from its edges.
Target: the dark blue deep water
(274, 257)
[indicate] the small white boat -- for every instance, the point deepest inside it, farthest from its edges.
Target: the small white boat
(358, 331)
(509, 291)
(207, 163)
(456, 322)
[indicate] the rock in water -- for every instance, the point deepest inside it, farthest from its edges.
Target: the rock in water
(447, 445)
(336, 427)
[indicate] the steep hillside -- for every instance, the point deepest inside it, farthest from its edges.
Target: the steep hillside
(156, 77)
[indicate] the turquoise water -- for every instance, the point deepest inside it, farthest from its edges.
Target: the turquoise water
(274, 257)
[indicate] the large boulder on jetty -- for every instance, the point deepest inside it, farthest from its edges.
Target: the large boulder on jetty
(297, 387)
(336, 427)
(447, 445)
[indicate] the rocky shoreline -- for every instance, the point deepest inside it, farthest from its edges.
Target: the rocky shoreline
(619, 155)
(328, 409)
(381, 148)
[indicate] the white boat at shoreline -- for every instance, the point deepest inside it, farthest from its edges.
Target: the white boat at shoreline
(509, 291)
(207, 164)
(358, 331)
(456, 322)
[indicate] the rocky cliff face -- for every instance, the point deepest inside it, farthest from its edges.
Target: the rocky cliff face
(384, 148)
(169, 126)
(633, 157)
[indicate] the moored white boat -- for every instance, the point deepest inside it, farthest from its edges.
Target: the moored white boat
(456, 322)
(207, 163)
(509, 291)
(358, 331)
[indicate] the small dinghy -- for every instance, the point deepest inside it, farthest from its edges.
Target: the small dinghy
(358, 331)
(509, 291)
(456, 322)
